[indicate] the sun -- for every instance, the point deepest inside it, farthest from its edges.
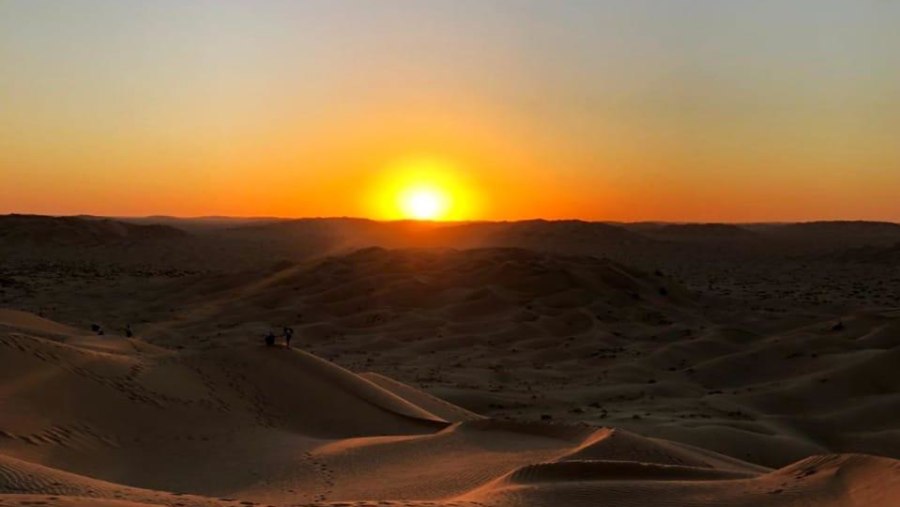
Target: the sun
(424, 203)
(422, 188)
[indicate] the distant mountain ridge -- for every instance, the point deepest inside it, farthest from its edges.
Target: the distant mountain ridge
(573, 236)
(318, 236)
(693, 232)
(78, 231)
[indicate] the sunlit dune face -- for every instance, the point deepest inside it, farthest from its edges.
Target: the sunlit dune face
(422, 189)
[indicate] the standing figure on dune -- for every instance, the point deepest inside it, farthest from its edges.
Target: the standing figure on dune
(270, 339)
(288, 334)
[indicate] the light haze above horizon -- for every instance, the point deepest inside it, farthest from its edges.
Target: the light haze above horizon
(710, 110)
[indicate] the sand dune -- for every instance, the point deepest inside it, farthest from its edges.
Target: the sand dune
(733, 367)
(522, 334)
(110, 420)
(816, 481)
(516, 333)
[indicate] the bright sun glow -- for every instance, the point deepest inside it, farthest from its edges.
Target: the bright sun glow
(424, 203)
(422, 189)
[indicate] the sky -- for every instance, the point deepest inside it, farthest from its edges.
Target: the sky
(626, 110)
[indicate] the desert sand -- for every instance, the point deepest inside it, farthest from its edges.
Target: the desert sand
(526, 364)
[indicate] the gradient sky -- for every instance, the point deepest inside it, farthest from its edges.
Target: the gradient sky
(701, 110)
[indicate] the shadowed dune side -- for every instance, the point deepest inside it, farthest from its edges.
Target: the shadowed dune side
(431, 299)
(615, 470)
(826, 481)
(621, 445)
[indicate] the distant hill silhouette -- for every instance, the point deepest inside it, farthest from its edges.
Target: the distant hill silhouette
(78, 231)
(574, 236)
(694, 232)
(833, 234)
(293, 239)
(564, 235)
(200, 224)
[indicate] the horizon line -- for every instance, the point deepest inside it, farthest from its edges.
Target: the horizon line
(437, 222)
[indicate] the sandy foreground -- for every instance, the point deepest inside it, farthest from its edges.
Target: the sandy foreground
(587, 365)
(112, 421)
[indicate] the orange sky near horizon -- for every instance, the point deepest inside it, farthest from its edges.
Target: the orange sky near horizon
(620, 111)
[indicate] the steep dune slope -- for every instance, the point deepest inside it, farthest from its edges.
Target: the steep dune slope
(94, 410)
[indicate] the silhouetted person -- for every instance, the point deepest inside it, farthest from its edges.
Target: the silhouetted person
(128, 332)
(288, 334)
(270, 339)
